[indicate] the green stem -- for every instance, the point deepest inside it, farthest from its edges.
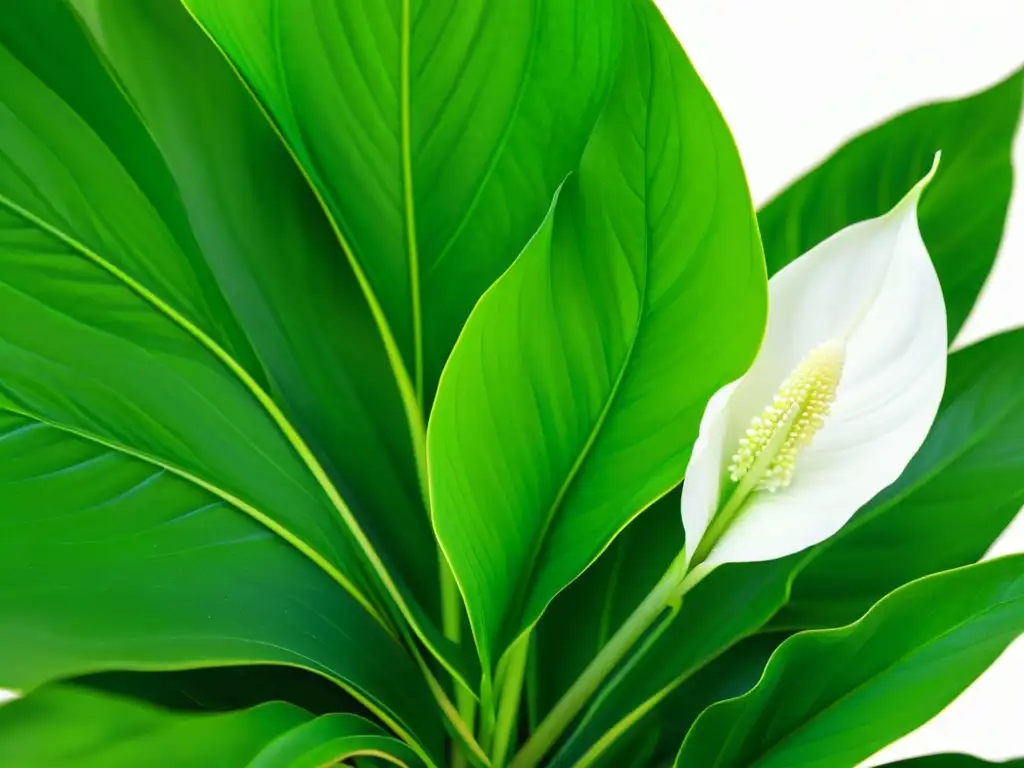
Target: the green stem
(509, 700)
(620, 675)
(665, 594)
(451, 623)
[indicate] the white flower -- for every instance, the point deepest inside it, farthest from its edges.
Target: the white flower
(841, 395)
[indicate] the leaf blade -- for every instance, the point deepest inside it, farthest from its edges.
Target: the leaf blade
(561, 351)
(887, 673)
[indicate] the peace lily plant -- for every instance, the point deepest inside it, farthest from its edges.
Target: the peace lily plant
(357, 358)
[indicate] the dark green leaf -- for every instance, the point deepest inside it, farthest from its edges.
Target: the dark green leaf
(581, 619)
(573, 396)
(962, 213)
(964, 486)
(107, 562)
(74, 726)
(220, 689)
(731, 604)
(831, 698)
(281, 270)
(123, 328)
(435, 133)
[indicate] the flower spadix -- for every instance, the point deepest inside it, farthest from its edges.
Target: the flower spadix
(841, 395)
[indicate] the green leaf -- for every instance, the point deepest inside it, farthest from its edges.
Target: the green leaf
(281, 270)
(573, 396)
(72, 726)
(733, 603)
(121, 327)
(434, 132)
(963, 212)
(65, 725)
(834, 697)
(582, 618)
(331, 739)
(951, 760)
(964, 486)
(107, 562)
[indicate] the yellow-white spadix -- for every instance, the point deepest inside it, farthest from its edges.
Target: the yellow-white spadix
(841, 395)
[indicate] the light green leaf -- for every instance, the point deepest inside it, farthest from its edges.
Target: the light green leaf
(72, 726)
(331, 739)
(831, 698)
(434, 132)
(962, 213)
(964, 486)
(67, 725)
(572, 398)
(107, 562)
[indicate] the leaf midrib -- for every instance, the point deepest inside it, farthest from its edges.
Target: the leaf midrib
(267, 404)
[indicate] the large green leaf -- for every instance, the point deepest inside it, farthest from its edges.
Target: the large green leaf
(73, 726)
(964, 486)
(107, 562)
(831, 698)
(435, 133)
(573, 396)
(282, 272)
(962, 213)
(119, 326)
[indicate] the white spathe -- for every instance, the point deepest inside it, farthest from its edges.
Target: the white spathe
(872, 289)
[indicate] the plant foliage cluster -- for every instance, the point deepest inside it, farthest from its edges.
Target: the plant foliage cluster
(352, 353)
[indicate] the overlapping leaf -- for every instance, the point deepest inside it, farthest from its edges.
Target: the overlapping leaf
(572, 397)
(68, 725)
(830, 698)
(108, 562)
(435, 133)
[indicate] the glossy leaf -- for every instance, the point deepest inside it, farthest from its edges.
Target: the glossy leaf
(963, 212)
(281, 270)
(132, 567)
(330, 740)
(119, 341)
(73, 726)
(581, 619)
(434, 132)
(960, 491)
(733, 603)
(68, 725)
(834, 697)
(97, 293)
(571, 400)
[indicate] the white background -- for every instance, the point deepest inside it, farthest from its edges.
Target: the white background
(795, 78)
